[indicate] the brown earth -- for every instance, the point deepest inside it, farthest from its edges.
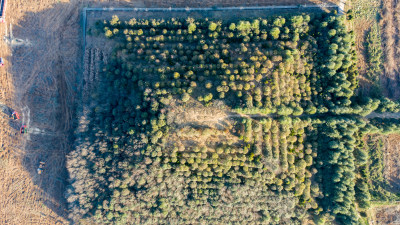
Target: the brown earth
(40, 81)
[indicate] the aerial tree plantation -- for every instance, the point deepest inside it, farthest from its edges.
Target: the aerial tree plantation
(246, 121)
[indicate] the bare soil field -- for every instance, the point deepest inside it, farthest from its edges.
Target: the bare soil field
(41, 81)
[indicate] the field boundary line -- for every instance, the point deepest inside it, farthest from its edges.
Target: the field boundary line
(188, 9)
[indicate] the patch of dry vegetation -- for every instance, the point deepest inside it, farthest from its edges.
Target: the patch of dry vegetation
(392, 161)
(387, 215)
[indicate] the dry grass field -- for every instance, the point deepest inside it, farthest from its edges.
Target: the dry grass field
(391, 37)
(36, 81)
(385, 14)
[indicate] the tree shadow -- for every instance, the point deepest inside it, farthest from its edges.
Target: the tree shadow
(391, 86)
(7, 113)
(6, 110)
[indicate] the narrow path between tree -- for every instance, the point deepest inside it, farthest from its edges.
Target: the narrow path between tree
(383, 115)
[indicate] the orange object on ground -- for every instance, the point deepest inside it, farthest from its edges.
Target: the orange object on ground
(15, 115)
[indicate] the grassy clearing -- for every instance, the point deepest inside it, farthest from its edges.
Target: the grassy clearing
(384, 203)
(366, 9)
(374, 53)
(374, 58)
(369, 43)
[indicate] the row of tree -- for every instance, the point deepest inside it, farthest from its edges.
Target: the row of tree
(269, 67)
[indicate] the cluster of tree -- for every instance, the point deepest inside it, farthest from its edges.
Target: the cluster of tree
(132, 165)
(362, 188)
(371, 185)
(337, 70)
(385, 125)
(361, 105)
(387, 105)
(263, 63)
(347, 167)
(337, 138)
(122, 162)
(252, 160)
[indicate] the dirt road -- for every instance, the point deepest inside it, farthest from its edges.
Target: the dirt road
(383, 115)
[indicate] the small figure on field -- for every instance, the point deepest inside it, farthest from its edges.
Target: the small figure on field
(1, 62)
(23, 129)
(40, 168)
